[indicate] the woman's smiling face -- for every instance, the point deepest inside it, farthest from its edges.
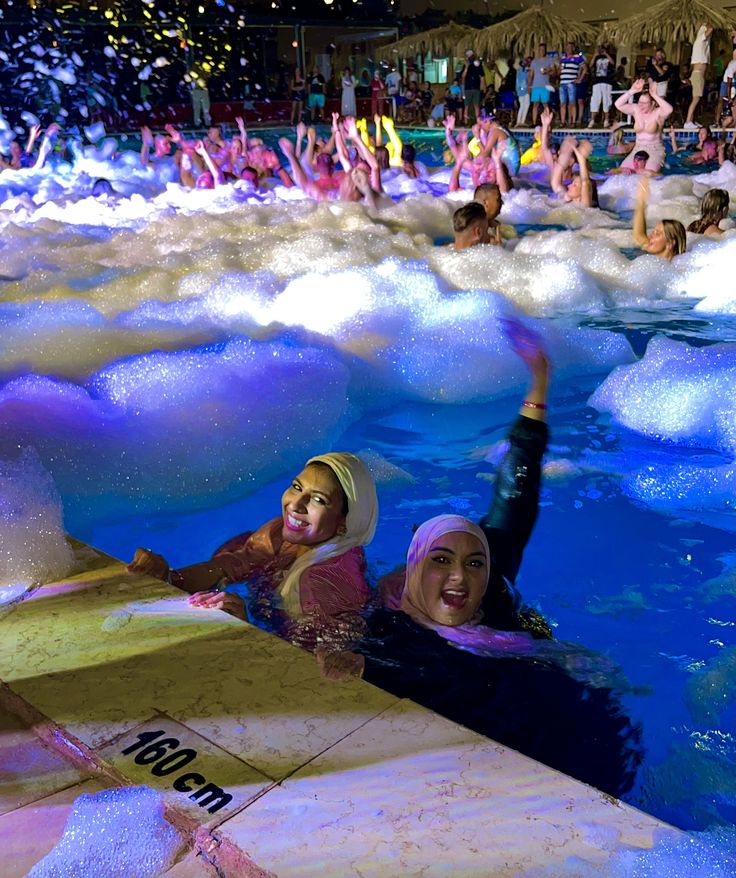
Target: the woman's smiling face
(454, 578)
(312, 507)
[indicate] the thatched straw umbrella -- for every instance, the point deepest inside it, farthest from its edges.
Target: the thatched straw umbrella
(523, 33)
(671, 21)
(440, 42)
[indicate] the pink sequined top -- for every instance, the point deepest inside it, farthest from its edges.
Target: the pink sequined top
(328, 589)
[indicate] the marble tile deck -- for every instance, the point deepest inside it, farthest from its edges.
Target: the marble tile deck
(327, 779)
(413, 794)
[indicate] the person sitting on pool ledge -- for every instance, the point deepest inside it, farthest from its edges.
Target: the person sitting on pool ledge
(470, 225)
(311, 554)
(650, 112)
(667, 239)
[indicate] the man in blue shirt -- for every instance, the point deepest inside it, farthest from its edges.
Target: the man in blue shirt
(539, 72)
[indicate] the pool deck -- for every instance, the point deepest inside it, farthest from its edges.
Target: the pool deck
(323, 779)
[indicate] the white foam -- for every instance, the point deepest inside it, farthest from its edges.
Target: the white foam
(676, 393)
(120, 832)
(33, 548)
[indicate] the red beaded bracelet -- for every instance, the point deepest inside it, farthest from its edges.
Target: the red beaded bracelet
(534, 405)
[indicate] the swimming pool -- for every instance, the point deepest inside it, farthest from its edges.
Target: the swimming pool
(173, 360)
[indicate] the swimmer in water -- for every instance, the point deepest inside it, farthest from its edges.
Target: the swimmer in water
(359, 179)
(577, 188)
(703, 151)
(482, 168)
(667, 239)
(310, 557)
(455, 636)
(489, 195)
(638, 165)
(470, 226)
(713, 208)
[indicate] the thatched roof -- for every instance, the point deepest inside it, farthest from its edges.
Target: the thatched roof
(523, 33)
(670, 21)
(441, 42)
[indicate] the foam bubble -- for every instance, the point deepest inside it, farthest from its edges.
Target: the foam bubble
(676, 393)
(121, 832)
(33, 547)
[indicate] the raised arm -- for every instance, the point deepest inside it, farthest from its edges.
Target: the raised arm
(342, 150)
(624, 104)
(217, 176)
(641, 238)
(546, 138)
(33, 133)
(449, 124)
(514, 508)
(582, 151)
(365, 153)
(146, 144)
(47, 144)
(394, 144)
(665, 109)
(297, 171)
(461, 156)
(503, 178)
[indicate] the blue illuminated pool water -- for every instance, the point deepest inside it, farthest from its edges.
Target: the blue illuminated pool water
(639, 586)
(655, 591)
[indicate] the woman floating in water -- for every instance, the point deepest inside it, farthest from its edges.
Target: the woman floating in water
(650, 113)
(435, 643)
(310, 556)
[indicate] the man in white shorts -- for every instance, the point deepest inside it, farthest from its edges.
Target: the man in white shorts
(699, 62)
(603, 71)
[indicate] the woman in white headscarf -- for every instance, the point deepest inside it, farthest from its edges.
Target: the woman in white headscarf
(310, 556)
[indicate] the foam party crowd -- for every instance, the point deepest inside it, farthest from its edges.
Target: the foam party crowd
(452, 408)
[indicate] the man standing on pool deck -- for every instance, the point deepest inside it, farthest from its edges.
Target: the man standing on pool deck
(393, 88)
(604, 76)
(317, 98)
(569, 74)
(539, 72)
(473, 84)
(699, 62)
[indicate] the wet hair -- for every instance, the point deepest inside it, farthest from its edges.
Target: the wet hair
(249, 172)
(102, 187)
(642, 155)
(325, 466)
(468, 215)
(675, 235)
(713, 208)
(383, 158)
(408, 153)
(486, 187)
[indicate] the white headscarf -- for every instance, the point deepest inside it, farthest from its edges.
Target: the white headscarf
(360, 524)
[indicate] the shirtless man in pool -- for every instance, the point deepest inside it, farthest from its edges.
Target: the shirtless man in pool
(650, 113)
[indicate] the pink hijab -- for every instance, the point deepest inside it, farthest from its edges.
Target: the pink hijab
(581, 663)
(472, 635)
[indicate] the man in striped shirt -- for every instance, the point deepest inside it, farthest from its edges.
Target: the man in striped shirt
(570, 65)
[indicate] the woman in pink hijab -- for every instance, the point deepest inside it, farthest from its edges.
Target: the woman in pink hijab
(458, 640)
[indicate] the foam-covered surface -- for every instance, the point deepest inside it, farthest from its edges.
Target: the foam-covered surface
(121, 832)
